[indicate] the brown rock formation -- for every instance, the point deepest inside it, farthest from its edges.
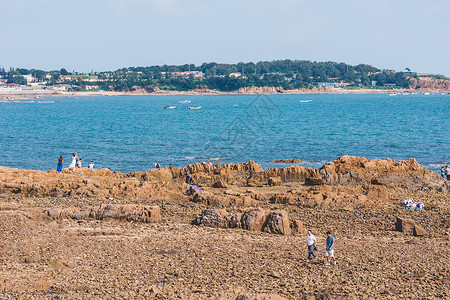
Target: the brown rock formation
(427, 83)
(409, 226)
(253, 219)
(219, 184)
(419, 231)
(129, 212)
(404, 225)
(287, 161)
(167, 184)
(223, 199)
(335, 196)
(103, 183)
(275, 181)
(348, 170)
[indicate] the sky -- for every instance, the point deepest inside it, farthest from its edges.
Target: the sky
(102, 35)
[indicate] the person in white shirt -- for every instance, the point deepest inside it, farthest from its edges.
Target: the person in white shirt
(311, 245)
(74, 161)
(91, 165)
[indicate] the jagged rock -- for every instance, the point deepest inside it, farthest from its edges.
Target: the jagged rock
(234, 220)
(287, 161)
(212, 218)
(278, 223)
(130, 212)
(219, 184)
(157, 176)
(404, 225)
(334, 196)
(349, 170)
(297, 227)
(275, 181)
(214, 199)
(379, 181)
(254, 219)
(419, 231)
(314, 181)
(289, 174)
(255, 182)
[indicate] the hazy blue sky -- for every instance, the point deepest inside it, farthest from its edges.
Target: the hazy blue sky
(108, 34)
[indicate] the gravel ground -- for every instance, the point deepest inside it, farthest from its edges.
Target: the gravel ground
(172, 259)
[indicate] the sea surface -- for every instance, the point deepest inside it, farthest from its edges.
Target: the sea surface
(131, 133)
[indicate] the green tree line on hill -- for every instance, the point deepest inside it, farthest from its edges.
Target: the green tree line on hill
(287, 74)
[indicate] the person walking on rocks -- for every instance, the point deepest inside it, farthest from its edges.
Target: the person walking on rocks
(311, 246)
(60, 163)
(329, 252)
(443, 172)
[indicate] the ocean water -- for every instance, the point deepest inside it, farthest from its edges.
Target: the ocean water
(130, 133)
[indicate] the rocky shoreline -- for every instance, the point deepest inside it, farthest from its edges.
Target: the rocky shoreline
(104, 234)
(11, 96)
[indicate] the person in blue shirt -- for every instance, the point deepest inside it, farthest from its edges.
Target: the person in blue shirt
(329, 252)
(60, 164)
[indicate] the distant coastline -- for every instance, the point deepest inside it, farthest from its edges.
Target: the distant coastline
(7, 96)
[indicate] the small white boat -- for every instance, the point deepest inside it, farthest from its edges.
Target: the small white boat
(196, 107)
(393, 94)
(427, 93)
(169, 107)
(305, 101)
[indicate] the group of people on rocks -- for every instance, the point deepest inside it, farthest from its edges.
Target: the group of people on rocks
(445, 172)
(189, 178)
(75, 162)
(329, 250)
(158, 166)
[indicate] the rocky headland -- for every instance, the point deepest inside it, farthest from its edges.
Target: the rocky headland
(102, 234)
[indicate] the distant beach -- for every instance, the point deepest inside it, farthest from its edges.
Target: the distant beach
(6, 96)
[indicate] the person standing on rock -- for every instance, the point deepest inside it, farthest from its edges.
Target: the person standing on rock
(443, 171)
(329, 252)
(170, 167)
(60, 163)
(447, 172)
(157, 166)
(311, 246)
(91, 165)
(74, 161)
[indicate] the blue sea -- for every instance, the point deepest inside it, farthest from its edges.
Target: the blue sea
(131, 133)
